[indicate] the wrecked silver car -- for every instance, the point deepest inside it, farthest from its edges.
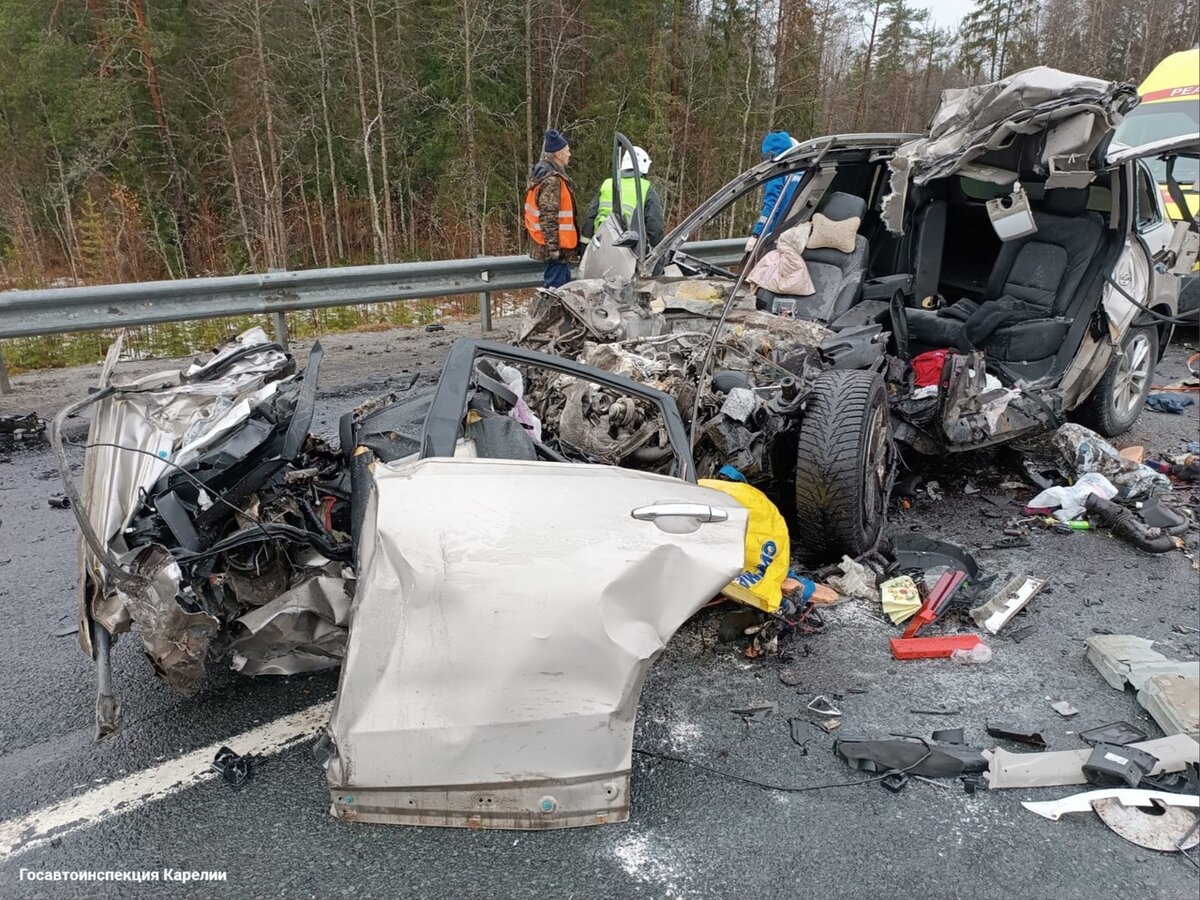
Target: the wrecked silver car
(495, 560)
(959, 289)
(210, 519)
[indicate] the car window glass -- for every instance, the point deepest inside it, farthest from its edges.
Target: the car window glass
(983, 190)
(1146, 205)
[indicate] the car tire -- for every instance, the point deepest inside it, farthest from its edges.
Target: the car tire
(1118, 397)
(843, 456)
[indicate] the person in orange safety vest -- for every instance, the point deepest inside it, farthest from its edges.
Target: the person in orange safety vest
(550, 212)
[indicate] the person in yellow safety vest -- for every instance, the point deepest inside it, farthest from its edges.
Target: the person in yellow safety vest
(550, 219)
(602, 204)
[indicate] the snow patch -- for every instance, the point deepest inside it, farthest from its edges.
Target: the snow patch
(685, 735)
(649, 865)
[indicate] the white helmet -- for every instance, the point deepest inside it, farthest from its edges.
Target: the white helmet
(643, 161)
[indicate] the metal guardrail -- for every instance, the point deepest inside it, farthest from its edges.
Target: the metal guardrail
(66, 310)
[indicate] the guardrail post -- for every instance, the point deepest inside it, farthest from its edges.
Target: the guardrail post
(5, 384)
(279, 317)
(485, 303)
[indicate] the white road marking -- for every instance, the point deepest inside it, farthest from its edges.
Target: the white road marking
(134, 791)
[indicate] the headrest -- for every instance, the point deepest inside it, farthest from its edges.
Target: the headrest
(1065, 201)
(841, 206)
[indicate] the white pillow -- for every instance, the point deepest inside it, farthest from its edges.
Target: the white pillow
(834, 235)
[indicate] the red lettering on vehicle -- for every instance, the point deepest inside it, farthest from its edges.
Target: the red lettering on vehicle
(1171, 93)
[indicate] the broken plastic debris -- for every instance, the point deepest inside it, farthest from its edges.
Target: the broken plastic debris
(1112, 765)
(1173, 699)
(1064, 709)
(232, 767)
(756, 712)
(1127, 659)
(1063, 767)
(739, 404)
(1006, 603)
(912, 756)
(1031, 736)
(949, 735)
(936, 602)
(1113, 733)
(820, 704)
(1056, 809)
(916, 551)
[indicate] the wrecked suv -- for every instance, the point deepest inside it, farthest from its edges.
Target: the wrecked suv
(1021, 261)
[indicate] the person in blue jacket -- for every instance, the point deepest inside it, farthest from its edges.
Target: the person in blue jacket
(778, 192)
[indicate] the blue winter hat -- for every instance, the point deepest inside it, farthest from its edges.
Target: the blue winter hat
(775, 143)
(553, 142)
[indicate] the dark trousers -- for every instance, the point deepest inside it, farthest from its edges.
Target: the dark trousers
(556, 274)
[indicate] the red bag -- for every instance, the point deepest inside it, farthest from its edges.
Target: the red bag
(928, 366)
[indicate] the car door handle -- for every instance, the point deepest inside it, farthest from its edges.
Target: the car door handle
(698, 511)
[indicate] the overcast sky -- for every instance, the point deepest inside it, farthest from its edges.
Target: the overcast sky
(946, 12)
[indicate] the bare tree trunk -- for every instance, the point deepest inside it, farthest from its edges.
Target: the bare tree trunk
(377, 239)
(274, 187)
(652, 68)
(780, 59)
(676, 59)
(389, 226)
(239, 201)
(322, 219)
(312, 242)
(861, 109)
(333, 176)
(468, 10)
(71, 236)
(175, 188)
(752, 41)
(96, 11)
(270, 250)
(529, 85)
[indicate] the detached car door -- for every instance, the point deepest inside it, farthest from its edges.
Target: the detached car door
(507, 611)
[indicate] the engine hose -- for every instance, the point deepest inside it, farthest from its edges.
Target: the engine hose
(1125, 525)
(650, 456)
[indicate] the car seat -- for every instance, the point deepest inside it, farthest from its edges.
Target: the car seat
(837, 277)
(1030, 289)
